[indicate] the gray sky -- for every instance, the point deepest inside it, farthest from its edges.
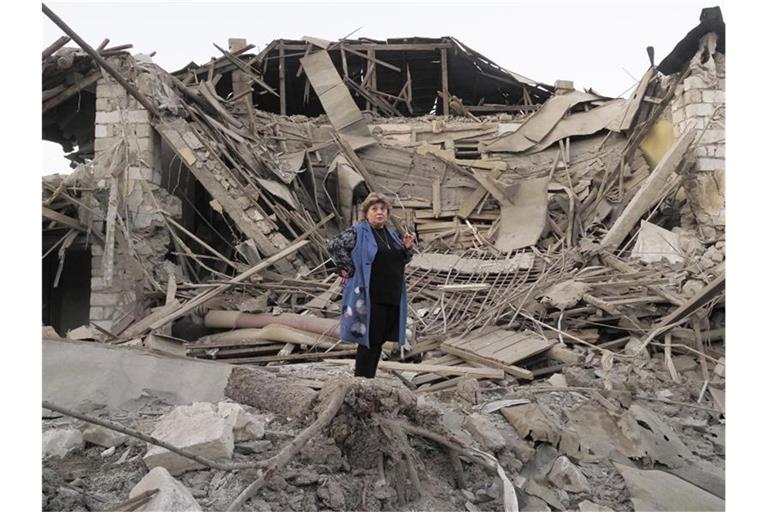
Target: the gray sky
(596, 44)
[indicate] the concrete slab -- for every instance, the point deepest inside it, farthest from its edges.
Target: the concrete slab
(83, 375)
(195, 428)
(657, 490)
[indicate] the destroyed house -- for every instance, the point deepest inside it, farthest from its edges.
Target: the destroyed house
(568, 285)
(196, 175)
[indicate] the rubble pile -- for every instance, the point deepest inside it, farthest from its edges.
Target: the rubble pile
(566, 325)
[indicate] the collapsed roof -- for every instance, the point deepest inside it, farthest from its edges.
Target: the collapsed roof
(564, 238)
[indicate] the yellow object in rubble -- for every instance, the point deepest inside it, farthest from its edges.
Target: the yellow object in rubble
(660, 138)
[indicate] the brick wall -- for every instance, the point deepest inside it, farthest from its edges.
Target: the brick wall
(700, 99)
(127, 156)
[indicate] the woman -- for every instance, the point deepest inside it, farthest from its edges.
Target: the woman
(371, 260)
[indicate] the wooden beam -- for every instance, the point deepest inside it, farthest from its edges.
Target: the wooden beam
(71, 91)
(239, 64)
(308, 356)
(281, 71)
(56, 46)
(63, 219)
(371, 57)
(444, 79)
(649, 192)
(103, 63)
(707, 294)
(444, 370)
(209, 294)
(613, 261)
(370, 78)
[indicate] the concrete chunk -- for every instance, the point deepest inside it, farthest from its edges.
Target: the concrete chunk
(567, 476)
(62, 442)
(172, 495)
(103, 437)
(484, 432)
(246, 426)
(195, 428)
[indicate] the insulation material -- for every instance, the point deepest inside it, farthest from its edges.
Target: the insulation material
(658, 141)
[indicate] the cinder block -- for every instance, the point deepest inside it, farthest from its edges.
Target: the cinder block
(691, 97)
(700, 152)
(713, 136)
(694, 82)
(138, 116)
(96, 250)
(140, 173)
(102, 105)
(102, 130)
(710, 164)
(714, 96)
(699, 110)
(98, 283)
(104, 144)
(143, 143)
(96, 313)
(108, 117)
(105, 299)
(678, 116)
(142, 129)
(718, 151)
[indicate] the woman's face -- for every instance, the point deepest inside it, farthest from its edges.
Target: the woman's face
(377, 214)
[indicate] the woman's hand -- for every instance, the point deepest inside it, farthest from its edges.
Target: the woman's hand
(344, 276)
(408, 240)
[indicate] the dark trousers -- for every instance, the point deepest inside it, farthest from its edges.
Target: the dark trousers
(385, 320)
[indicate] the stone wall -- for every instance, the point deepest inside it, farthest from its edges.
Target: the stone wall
(700, 99)
(127, 173)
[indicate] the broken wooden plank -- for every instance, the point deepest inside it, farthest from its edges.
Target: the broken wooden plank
(649, 191)
(208, 91)
(307, 356)
(471, 202)
(465, 371)
(336, 99)
(281, 74)
(244, 69)
(71, 91)
(141, 326)
(637, 97)
(56, 46)
(63, 219)
(444, 80)
(709, 292)
(613, 261)
(208, 295)
(103, 63)
(172, 132)
(371, 58)
(499, 349)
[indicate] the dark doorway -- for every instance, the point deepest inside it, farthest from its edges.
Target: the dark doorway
(66, 306)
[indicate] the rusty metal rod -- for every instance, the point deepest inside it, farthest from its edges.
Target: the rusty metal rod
(101, 62)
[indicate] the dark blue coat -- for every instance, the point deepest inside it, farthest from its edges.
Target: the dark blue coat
(355, 299)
